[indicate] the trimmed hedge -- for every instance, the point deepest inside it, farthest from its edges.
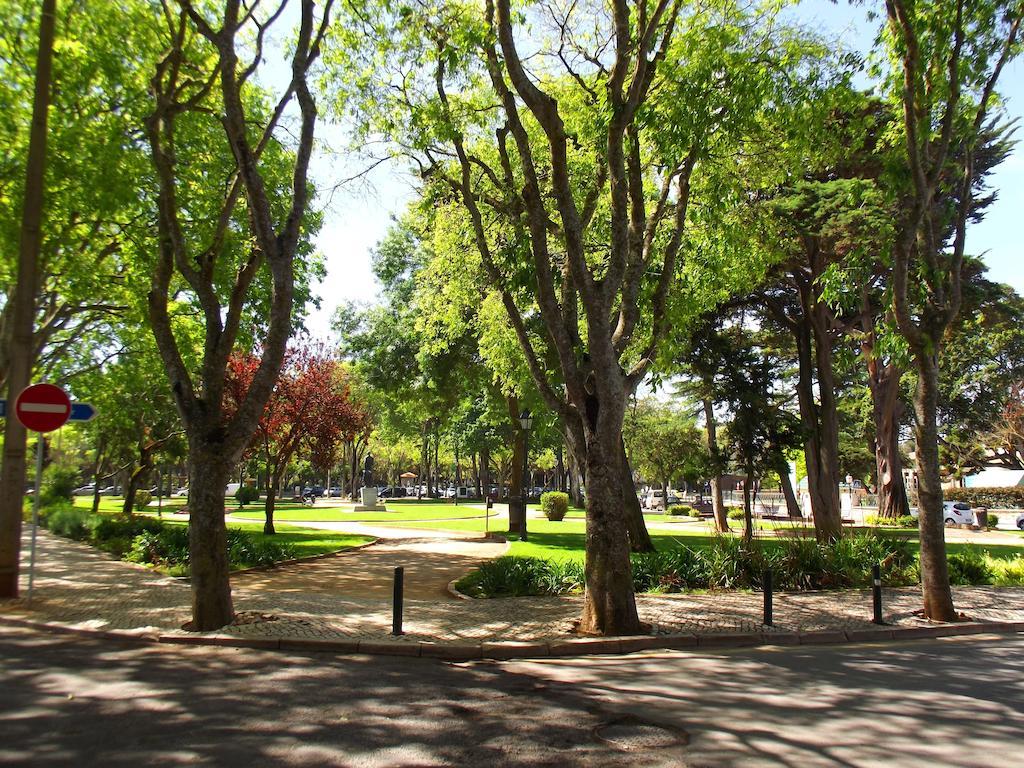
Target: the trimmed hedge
(998, 498)
(554, 504)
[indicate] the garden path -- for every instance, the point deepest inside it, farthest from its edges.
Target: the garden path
(431, 559)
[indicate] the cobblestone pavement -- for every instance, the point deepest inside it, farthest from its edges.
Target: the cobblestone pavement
(79, 587)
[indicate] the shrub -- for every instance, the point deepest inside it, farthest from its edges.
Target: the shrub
(68, 521)
(103, 528)
(1009, 573)
(58, 485)
(969, 566)
(247, 494)
(519, 576)
(683, 510)
(999, 498)
(142, 499)
(991, 521)
(167, 546)
(904, 521)
(736, 513)
(247, 550)
(555, 504)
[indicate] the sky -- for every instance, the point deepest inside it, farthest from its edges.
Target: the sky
(357, 216)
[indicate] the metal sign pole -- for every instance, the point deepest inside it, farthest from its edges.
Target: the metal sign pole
(35, 517)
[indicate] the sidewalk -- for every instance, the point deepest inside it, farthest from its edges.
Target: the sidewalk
(79, 588)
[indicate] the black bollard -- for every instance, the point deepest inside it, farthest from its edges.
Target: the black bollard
(396, 620)
(876, 593)
(767, 585)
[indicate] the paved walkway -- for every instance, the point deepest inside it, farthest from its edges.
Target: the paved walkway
(79, 587)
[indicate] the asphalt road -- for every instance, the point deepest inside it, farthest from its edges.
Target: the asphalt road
(74, 701)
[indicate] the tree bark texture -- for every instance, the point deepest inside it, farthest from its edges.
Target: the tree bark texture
(21, 353)
(822, 473)
(639, 538)
(609, 605)
(748, 514)
(792, 503)
(209, 474)
(516, 512)
(717, 503)
(938, 597)
(887, 412)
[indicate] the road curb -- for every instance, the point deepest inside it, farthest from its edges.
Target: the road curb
(513, 649)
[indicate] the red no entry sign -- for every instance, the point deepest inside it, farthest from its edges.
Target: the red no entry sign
(42, 407)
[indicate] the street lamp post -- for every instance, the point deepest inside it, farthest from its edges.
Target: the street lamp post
(525, 421)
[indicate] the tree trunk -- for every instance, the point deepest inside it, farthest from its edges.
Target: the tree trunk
(822, 489)
(560, 468)
(792, 504)
(575, 488)
(273, 489)
(748, 516)
(828, 419)
(887, 411)
(212, 607)
(609, 603)
(717, 503)
(516, 509)
(22, 357)
(639, 538)
(485, 471)
(938, 597)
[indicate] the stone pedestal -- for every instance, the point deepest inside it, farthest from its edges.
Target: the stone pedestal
(369, 499)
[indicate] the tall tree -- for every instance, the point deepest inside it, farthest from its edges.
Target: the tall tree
(21, 336)
(203, 77)
(576, 189)
(947, 59)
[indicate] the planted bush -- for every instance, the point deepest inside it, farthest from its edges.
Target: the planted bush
(554, 504)
(735, 513)
(58, 485)
(247, 494)
(726, 563)
(904, 521)
(969, 566)
(68, 521)
(142, 499)
(520, 576)
(683, 510)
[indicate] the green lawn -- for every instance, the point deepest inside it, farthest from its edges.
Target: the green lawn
(407, 512)
(306, 541)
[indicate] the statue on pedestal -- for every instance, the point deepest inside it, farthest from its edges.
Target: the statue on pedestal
(368, 470)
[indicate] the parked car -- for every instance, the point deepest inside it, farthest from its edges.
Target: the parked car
(1020, 521)
(181, 493)
(85, 490)
(656, 499)
(953, 513)
(460, 492)
(334, 491)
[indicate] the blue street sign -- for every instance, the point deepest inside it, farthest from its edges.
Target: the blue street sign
(82, 412)
(79, 411)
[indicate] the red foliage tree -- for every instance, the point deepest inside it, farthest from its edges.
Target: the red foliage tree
(310, 406)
